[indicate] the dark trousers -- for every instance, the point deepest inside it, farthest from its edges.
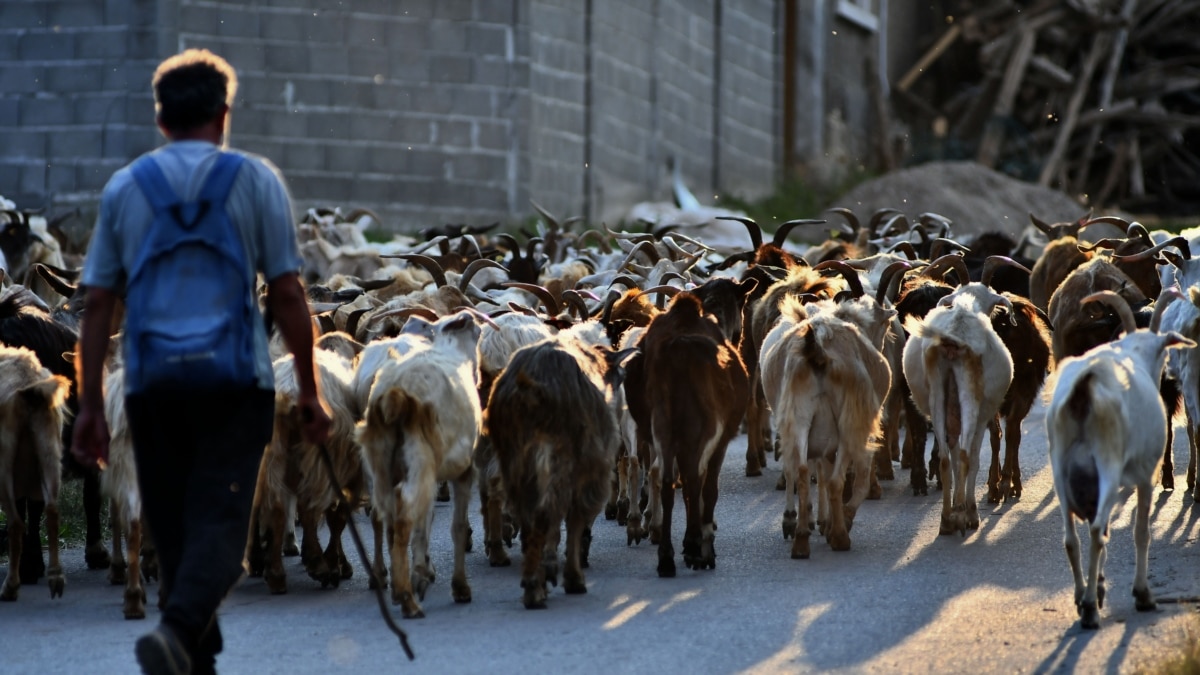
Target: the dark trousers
(197, 460)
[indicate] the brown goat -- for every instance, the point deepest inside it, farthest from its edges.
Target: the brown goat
(697, 388)
(552, 423)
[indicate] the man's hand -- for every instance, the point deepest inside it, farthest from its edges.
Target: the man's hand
(89, 443)
(315, 419)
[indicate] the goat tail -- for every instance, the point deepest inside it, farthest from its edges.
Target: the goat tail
(1089, 427)
(812, 350)
(415, 416)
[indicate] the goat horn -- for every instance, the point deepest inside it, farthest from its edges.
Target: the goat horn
(609, 301)
(474, 268)
(636, 238)
(601, 240)
(352, 320)
(848, 273)
(851, 219)
(889, 281)
(1180, 242)
(785, 229)
(542, 293)
(670, 276)
(531, 246)
(1174, 258)
(663, 292)
(468, 238)
(521, 309)
(877, 218)
(1111, 220)
(325, 323)
(50, 275)
(641, 245)
(940, 244)
(551, 221)
(404, 313)
(896, 224)
(1139, 230)
(1040, 224)
(1118, 304)
(436, 241)
(430, 265)
(575, 301)
(1165, 298)
(509, 243)
(906, 247)
(625, 280)
(375, 284)
(943, 264)
(675, 249)
(694, 242)
(756, 239)
(730, 261)
(995, 261)
(479, 316)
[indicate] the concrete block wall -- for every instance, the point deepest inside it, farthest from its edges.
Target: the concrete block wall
(74, 95)
(429, 111)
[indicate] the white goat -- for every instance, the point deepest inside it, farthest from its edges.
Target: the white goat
(959, 371)
(420, 427)
(1107, 427)
(825, 380)
(292, 467)
(32, 413)
(1184, 364)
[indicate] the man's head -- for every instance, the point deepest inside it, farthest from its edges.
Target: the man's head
(192, 91)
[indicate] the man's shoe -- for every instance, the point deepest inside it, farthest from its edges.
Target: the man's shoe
(160, 652)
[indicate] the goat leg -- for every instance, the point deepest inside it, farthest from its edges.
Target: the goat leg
(460, 530)
(95, 555)
(135, 593)
(573, 579)
(16, 540)
(54, 573)
(117, 567)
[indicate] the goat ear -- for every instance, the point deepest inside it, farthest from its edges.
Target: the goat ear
(1178, 340)
(51, 392)
(619, 359)
(459, 322)
(747, 286)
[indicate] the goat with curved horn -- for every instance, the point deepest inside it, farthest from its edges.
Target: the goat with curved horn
(598, 236)
(542, 294)
(636, 238)
(906, 248)
(848, 273)
(786, 228)
(1179, 242)
(575, 302)
(852, 226)
(938, 268)
(474, 268)
(889, 281)
(994, 262)
(940, 244)
(752, 228)
(352, 320)
(1119, 305)
(404, 313)
(435, 270)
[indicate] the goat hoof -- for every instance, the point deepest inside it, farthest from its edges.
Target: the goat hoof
(800, 549)
(460, 590)
(497, 556)
(654, 534)
(666, 569)
(753, 471)
(1168, 482)
(839, 541)
(135, 604)
(420, 584)
(409, 608)
(875, 491)
(574, 585)
(116, 574)
(1143, 600)
(781, 484)
(10, 593)
(622, 511)
(57, 584)
(789, 524)
(1089, 616)
(610, 511)
(443, 493)
(290, 549)
(276, 582)
(1101, 591)
(377, 580)
(96, 556)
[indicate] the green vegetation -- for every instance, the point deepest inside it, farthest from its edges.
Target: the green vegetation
(793, 198)
(72, 526)
(1184, 661)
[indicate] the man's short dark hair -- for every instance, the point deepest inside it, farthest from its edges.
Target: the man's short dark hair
(191, 88)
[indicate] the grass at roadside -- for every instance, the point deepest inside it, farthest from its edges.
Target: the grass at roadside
(72, 527)
(794, 197)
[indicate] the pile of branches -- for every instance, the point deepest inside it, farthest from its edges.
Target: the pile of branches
(1100, 98)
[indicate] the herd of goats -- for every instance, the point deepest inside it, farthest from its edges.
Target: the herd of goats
(588, 371)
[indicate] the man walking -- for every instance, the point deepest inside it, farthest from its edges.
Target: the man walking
(181, 234)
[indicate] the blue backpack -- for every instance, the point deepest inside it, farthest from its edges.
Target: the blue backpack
(189, 302)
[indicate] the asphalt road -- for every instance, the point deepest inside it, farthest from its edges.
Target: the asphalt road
(904, 599)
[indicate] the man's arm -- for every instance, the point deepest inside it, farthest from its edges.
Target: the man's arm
(289, 307)
(89, 443)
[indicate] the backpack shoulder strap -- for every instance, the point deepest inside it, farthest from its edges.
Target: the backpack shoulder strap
(220, 178)
(153, 184)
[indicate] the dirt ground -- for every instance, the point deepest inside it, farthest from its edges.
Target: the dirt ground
(971, 195)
